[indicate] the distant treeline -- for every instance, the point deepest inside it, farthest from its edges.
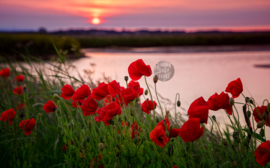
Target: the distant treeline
(70, 43)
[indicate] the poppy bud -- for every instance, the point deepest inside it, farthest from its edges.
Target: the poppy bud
(135, 140)
(126, 78)
(231, 101)
(56, 96)
(262, 132)
(167, 133)
(268, 107)
(247, 99)
(171, 127)
(172, 139)
(264, 116)
(251, 101)
(157, 119)
(214, 118)
(146, 92)
(178, 103)
(101, 146)
(155, 79)
(260, 124)
(170, 150)
(24, 87)
(244, 108)
(235, 135)
(248, 114)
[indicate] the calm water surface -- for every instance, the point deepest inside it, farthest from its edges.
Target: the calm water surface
(196, 74)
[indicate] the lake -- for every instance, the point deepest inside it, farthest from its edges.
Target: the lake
(196, 73)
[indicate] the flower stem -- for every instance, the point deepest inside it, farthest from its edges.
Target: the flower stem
(151, 99)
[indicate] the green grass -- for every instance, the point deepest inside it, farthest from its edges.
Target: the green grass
(43, 148)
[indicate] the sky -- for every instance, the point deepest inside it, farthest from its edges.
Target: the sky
(135, 14)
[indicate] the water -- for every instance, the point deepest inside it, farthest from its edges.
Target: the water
(196, 74)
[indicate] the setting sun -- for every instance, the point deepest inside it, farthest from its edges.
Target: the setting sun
(95, 21)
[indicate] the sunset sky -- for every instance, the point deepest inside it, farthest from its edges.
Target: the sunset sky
(134, 14)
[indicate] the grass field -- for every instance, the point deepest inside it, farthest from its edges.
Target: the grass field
(69, 137)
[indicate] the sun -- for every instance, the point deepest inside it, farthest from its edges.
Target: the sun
(95, 21)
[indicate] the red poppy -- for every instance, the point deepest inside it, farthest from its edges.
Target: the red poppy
(20, 107)
(174, 133)
(27, 125)
(262, 153)
(111, 110)
(174, 166)
(136, 86)
(100, 92)
(158, 136)
(67, 92)
(258, 114)
(137, 69)
(148, 105)
(50, 106)
(18, 90)
(191, 130)
(81, 93)
(128, 95)
(65, 147)
(89, 107)
(216, 102)
(5, 72)
(19, 78)
(235, 88)
(115, 99)
(163, 122)
(8, 115)
(97, 161)
(77, 103)
(114, 88)
(101, 113)
(199, 109)
(136, 130)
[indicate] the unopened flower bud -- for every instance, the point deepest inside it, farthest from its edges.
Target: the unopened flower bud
(231, 101)
(248, 114)
(260, 124)
(155, 79)
(172, 139)
(214, 118)
(264, 116)
(157, 119)
(167, 133)
(101, 146)
(24, 87)
(247, 99)
(178, 103)
(268, 107)
(262, 133)
(146, 92)
(225, 142)
(126, 78)
(56, 96)
(171, 127)
(135, 140)
(251, 101)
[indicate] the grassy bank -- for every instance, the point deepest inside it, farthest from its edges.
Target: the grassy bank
(75, 133)
(40, 45)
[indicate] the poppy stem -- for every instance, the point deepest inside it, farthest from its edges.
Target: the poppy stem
(151, 99)
(158, 100)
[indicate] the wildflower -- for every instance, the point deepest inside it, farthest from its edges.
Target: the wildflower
(191, 130)
(50, 106)
(158, 136)
(67, 92)
(235, 88)
(258, 113)
(27, 125)
(100, 92)
(80, 94)
(19, 78)
(65, 147)
(110, 99)
(77, 103)
(20, 107)
(136, 86)
(128, 95)
(216, 102)
(89, 107)
(114, 88)
(174, 133)
(148, 105)
(199, 109)
(137, 69)
(8, 115)
(97, 161)
(18, 90)
(262, 153)
(108, 112)
(5, 72)
(136, 130)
